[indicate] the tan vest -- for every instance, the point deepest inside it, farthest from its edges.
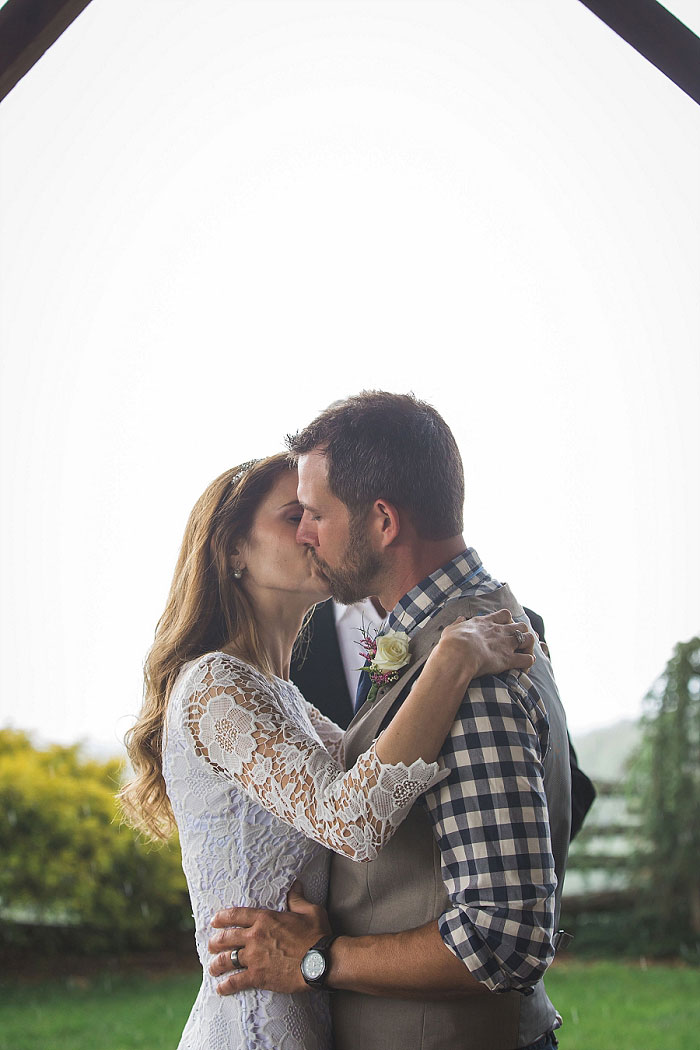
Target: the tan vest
(403, 887)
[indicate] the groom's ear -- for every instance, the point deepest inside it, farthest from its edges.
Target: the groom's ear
(386, 522)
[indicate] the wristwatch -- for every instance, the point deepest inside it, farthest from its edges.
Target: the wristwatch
(316, 963)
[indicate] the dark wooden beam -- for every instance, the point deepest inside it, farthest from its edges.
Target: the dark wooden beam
(657, 35)
(28, 28)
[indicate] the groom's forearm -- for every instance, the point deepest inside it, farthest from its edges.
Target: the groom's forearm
(414, 964)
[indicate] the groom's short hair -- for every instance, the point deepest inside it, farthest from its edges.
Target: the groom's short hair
(394, 447)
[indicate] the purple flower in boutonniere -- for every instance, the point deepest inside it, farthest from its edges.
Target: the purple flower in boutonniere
(387, 654)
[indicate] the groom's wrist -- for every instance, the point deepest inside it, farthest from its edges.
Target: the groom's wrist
(353, 960)
(340, 960)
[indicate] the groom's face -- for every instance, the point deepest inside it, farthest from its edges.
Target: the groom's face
(339, 544)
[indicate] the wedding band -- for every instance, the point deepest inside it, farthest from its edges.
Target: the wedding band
(237, 965)
(519, 636)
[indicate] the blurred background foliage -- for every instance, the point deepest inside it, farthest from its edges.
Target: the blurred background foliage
(70, 866)
(633, 881)
(664, 789)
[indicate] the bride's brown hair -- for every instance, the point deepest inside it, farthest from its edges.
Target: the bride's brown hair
(206, 609)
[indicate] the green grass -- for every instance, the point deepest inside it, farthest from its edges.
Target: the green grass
(605, 1006)
(622, 1006)
(107, 1013)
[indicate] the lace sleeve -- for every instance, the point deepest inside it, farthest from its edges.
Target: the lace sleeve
(239, 730)
(330, 734)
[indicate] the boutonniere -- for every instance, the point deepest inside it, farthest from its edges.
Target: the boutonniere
(387, 654)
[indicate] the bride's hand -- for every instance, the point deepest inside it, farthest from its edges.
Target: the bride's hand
(489, 644)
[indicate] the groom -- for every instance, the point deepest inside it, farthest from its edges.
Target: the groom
(442, 941)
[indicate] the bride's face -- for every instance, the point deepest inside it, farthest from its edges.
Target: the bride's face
(271, 558)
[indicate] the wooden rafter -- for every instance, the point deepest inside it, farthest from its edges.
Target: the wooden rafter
(28, 28)
(657, 35)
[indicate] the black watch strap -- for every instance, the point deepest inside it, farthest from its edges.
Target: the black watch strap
(324, 944)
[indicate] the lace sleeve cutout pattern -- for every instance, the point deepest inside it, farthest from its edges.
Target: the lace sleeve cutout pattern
(240, 729)
(331, 735)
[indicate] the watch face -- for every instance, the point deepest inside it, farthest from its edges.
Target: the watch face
(313, 965)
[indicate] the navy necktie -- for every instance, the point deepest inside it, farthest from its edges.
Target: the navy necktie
(363, 687)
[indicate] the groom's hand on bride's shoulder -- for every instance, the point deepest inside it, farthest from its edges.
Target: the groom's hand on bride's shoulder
(268, 945)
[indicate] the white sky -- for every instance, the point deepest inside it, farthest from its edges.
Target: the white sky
(216, 217)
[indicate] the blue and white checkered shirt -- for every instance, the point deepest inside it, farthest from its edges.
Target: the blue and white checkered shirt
(490, 815)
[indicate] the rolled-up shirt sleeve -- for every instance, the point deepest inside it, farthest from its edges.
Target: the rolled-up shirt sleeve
(491, 823)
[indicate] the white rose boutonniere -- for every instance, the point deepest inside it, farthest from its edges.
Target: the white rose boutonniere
(387, 654)
(392, 651)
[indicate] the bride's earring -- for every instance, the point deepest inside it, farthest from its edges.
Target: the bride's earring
(237, 573)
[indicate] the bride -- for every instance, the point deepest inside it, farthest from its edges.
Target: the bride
(226, 749)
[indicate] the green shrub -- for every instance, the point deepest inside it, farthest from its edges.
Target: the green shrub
(67, 861)
(664, 786)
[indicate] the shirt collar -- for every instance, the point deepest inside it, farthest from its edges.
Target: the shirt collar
(459, 576)
(363, 610)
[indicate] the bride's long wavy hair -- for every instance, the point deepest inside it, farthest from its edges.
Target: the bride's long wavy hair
(206, 610)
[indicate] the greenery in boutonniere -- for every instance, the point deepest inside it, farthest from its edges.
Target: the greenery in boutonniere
(387, 654)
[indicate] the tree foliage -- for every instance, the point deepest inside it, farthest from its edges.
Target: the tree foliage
(68, 861)
(665, 782)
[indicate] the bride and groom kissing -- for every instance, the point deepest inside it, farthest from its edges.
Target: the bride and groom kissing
(446, 805)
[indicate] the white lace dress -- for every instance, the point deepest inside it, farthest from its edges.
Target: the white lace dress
(256, 780)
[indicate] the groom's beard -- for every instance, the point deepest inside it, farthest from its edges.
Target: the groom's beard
(353, 580)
